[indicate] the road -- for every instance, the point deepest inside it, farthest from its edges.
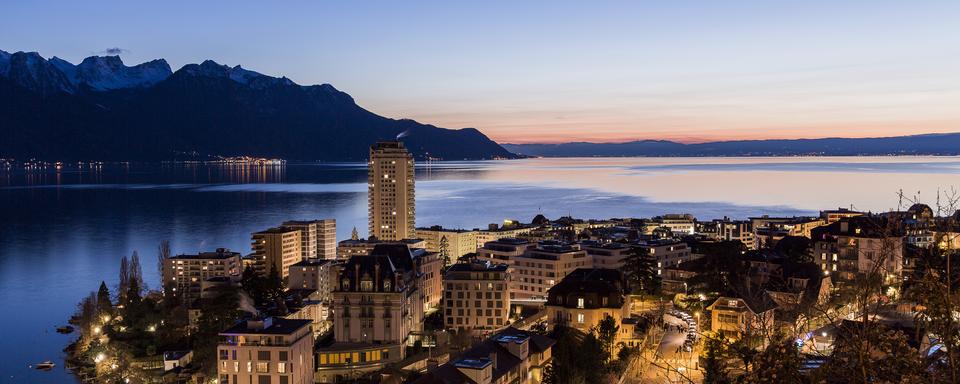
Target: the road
(671, 365)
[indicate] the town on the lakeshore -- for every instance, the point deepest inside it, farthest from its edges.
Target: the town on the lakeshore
(672, 298)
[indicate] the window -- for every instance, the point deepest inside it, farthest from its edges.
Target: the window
(579, 302)
(263, 355)
(281, 367)
(580, 318)
(263, 367)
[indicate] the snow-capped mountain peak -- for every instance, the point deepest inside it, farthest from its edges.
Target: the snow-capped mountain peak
(108, 72)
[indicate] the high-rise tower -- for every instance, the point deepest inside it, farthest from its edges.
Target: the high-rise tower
(391, 197)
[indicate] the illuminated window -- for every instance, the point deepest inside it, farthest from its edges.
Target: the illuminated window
(580, 303)
(580, 318)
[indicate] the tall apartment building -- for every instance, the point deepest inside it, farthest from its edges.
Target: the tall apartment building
(313, 281)
(276, 249)
(184, 275)
(318, 238)
(458, 242)
(476, 295)
(541, 267)
(391, 205)
(270, 350)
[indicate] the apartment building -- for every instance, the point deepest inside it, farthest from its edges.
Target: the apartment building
(509, 357)
(456, 242)
(834, 215)
(667, 252)
(476, 296)
(183, 275)
(586, 296)
(540, 268)
(735, 230)
(734, 317)
(859, 245)
(391, 205)
(318, 238)
(607, 255)
(503, 251)
(770, 230)
(276, 249)
(266, 351)
(362, 247)
(678, 224)
(509, 229)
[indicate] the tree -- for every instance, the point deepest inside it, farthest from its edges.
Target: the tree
(778, 363)
(123, 283)
(641, 273)
(104, 305)
(606, 333)
(163, 253)
(444, 249)
(136, 272)
(713, 364)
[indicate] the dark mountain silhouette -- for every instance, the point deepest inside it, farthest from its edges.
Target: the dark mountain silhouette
(104, 110)
(929, 144)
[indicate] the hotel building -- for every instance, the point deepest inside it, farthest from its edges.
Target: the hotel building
(541, 267)
(391, 205)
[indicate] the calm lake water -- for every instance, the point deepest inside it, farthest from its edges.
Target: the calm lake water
(61, 233)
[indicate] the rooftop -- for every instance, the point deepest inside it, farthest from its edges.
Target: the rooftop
(220, 253)
(267, 326)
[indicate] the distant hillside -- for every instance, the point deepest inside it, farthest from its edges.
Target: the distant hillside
(931, 144)
(104, 110)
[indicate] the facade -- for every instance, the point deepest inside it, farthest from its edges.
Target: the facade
(770, 230)
(509, 229)
(184, 275)
(313, 281)
(503, 251)
(362, 247)
(835, 215)
(734, 317)
(266, 351)
(679, 224)
(377, 304)
(541, 267)
(476, 296)
(509, 357)
(859, 245)
(607, 255)
(391, 205)
(276, 249)
(667, 252)
(458, 242)
(739, 230)
(318, 238)
(585, 297)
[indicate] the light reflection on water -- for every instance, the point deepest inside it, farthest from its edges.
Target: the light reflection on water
(62, 232)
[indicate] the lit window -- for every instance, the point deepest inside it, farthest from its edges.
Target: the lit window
(580, 303)
(580, 318)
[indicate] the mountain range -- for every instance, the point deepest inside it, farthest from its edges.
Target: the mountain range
(929, 144)
(102, 109)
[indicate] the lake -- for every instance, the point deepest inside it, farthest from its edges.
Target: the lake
(62, 232)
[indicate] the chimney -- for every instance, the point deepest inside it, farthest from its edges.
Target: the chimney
(376, 278)
(356, 277)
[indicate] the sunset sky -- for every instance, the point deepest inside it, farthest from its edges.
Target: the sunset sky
(529, 71)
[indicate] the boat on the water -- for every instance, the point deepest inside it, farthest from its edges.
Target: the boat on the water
(45, 366)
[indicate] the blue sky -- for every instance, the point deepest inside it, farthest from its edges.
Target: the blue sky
(539, 71)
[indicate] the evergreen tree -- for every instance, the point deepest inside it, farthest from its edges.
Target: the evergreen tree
(606, 333)
(641, 272)
(713, 364)
(104, 305)
(444, 248)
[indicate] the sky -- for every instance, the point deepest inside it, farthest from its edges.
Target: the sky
(557, 71)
